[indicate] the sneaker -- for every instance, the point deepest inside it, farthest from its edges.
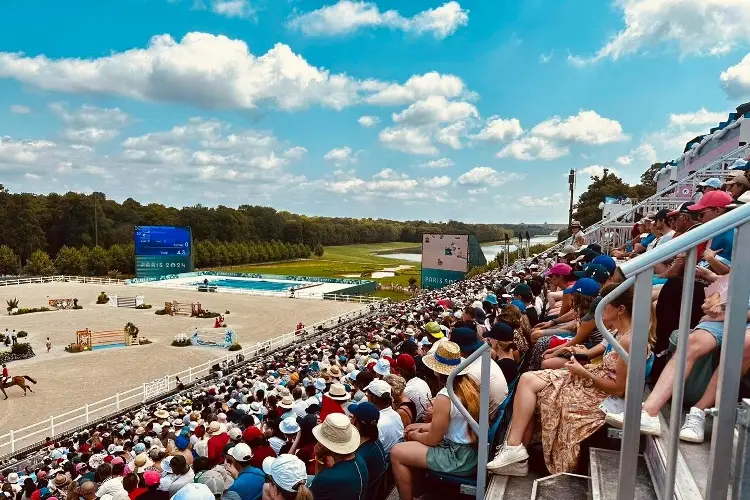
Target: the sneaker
(649, 425)
(692, 430)
(510, 461)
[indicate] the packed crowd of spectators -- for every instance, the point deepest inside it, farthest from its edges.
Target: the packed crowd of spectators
(349, 414)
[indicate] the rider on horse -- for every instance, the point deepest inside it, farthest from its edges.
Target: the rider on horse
(6, 377)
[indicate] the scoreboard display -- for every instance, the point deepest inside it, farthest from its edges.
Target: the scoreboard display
(163, 250)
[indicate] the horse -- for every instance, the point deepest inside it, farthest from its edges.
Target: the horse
(20, 381)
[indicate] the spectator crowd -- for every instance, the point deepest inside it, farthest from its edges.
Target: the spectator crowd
(355, 410)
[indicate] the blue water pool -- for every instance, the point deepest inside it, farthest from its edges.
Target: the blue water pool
(266, 286)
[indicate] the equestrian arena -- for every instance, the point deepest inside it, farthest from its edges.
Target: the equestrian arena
(66, 381)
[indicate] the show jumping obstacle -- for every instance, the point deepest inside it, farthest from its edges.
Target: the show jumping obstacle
(131, 302)
(104, 339)
(61, 303)
(183, 308)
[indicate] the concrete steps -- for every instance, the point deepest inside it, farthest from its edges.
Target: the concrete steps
(604, 476)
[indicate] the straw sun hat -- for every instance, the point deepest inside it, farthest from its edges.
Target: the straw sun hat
(445, 359)
(337, 434)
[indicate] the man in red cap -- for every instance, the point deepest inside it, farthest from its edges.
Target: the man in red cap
(253, 437)
(718, 255)
(416, 389)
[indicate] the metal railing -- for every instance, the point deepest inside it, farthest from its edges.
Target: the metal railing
(660, 199)
(639, 273)
(12, 441)
(481, 428)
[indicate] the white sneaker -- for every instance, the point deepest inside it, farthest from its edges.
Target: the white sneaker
(649, 425)
(692, 430)
(510, 461)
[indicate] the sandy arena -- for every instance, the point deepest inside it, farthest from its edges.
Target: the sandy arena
(67, 381)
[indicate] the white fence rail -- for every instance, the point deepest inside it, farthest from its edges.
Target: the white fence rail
(59, 278)
(17, 439)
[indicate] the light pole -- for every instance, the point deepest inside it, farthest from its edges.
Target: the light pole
(571, 185)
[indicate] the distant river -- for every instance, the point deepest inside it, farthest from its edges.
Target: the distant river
(489, 250)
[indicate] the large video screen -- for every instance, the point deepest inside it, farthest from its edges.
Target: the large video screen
(447, 252)
(162, 250)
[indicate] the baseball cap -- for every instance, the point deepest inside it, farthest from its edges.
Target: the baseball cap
(379, 388)
(213, 479)
(151, 477)
(584, 286)
(521, 289)
(287, 471)
(434, 330)
(739, 179)
(251, 433)
(682, 209)
(240, 452)
(405, 362)
(500, 331)
(559, 269)
(364, 411)
(606, 262)
(662, 214)
(714, 199)
(194, 491)
(595, 272)
(466, 338)
(567, 249)
(711, 182)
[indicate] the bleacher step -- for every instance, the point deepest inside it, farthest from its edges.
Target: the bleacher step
(510, 487)
(562, 486)
(605, 466)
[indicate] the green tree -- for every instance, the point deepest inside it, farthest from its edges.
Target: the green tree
(318, 250)
(99, 263)
(71, 261)
(118, 258)
(39, 264)
(8, 260)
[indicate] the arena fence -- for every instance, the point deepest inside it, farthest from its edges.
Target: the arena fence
(17, 439)
(60, 278)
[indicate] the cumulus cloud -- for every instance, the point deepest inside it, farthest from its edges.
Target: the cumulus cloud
(435, 109)
(587, 127)
(439, 163)
(597, 170)
(644, 152)
(736, 79)
(368, 121)
(696, 27)
(533, 148)
(486, 176)
(348, 16)
(341, 156)
(700, 117)
(407, 140)
(438, 182)
(295, 153)
(452, 134)
(498, 129)
(89, 135)
(415, 88)
(233, 8)
(542, 201)
(90, 124)
(20, 110)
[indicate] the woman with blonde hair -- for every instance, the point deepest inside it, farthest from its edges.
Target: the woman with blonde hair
(286, 478)
(568, 400)
(513, 316)
(447, 444)
(404, 406)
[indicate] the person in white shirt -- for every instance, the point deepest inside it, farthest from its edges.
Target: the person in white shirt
(660, 223)
(390, 426)
(468, 342)
(416, 389)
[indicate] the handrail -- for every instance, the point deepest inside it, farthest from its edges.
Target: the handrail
(706, 231)
(481, 429)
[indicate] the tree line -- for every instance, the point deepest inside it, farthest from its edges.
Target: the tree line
(31, 222)
(120, 259)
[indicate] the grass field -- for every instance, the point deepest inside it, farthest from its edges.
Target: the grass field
(338, 261)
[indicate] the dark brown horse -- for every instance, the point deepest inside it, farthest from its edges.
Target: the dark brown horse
(20, 381)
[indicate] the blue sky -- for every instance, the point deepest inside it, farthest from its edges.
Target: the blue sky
(425, 109)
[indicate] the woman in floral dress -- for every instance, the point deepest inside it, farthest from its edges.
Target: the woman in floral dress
(568, 401)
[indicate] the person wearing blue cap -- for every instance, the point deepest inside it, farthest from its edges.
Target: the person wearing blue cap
(594, 271)
(365, 416)
(606, 262)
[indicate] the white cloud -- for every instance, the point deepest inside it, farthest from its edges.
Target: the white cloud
(89, 135)
(545, 58)
(408, 140)
(20, 110)
(348, 16)
(90, 116)
(542, 201)
(388, 174)
(451, 135)
(415, 88)
(368, 121)
(486, 176)
(500, 130)
(696, 27)
(437, 182)
(233, 8)
(22, 152)
(587, 127)
(533, 148)
(736, 79)
(435, 109)
(341, 156)
(439, 163)
(700, 117)
(624, 160)
(295, 153)
(645, 152)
